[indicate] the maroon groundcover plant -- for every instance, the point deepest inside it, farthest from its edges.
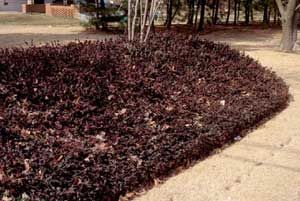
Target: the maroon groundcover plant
(95, 120)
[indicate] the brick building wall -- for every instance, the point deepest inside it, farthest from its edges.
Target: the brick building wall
(60, 10)
(53, 10)
(33, 8)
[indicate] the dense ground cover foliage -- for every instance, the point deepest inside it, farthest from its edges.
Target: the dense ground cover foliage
(93, 120)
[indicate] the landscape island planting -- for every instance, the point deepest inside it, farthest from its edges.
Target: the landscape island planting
(97, 120)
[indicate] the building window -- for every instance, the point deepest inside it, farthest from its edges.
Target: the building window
(39, 1)
(63, 2)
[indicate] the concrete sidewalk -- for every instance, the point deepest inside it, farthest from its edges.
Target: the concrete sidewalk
(263, 166)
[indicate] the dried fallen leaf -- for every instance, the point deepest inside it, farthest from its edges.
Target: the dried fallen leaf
(222, 102)
(25, 132)
(26, 166)
(121, 112)
(6, 196)
(2, 175)
(165, 127)
(169, 108)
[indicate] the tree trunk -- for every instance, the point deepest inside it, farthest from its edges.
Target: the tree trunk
(295, 26)
(228, 11)
(247, 11)
(197, 11)
(176, 9)
(235, 11)
(247, 19)
(202, 16)
(275, 16)
(289, 22)
(287, 37)
(153, 27)
(265, 16)
(238, 10)
(102, 4)
(216, 12)
(251, 11)
(191, 12)
(102, 7)
(213, 11)
(97, 15)
(289, 32)
(169, 14)
(275, 13)
(269, 15)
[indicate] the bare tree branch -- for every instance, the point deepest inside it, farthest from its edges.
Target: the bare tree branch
(128, 20)
(141, 19)
(134, 17)
(156, 5)
(146, 17)
(298, 7)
